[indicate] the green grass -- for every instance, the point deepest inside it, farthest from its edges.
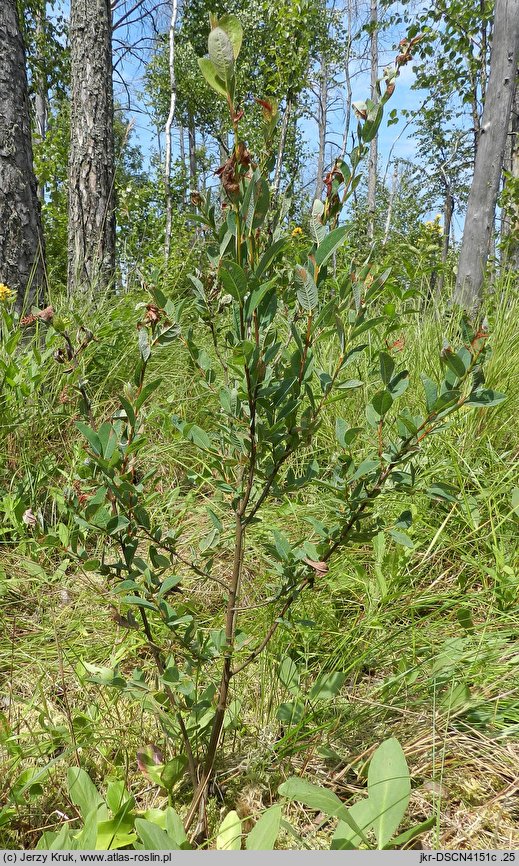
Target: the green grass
(426, 637)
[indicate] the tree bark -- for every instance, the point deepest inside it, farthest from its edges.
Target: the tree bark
(373, 148)
(169, 124)
(510, 224)
(484, 191)
(347, 76)
(392, 196)
(281, 147)
(448, 211)
(91, 215)
(41, 95)
(191, 136)
(21, 239)
(322, 117)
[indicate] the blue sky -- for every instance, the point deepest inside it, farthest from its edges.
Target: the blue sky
(396, 142)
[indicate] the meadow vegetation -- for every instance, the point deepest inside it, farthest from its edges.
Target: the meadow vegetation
(259, 536)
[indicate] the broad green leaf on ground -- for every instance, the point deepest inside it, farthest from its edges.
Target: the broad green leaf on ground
(263, 835)
(389, 789)
(229, 834)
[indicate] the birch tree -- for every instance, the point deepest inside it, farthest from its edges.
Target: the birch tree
(484, 190)
(373, 148)
(169, 124)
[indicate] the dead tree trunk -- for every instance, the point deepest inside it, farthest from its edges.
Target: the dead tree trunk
(191, 137)
(41, 96)
(169, 124)
(91, 214)
(510, 224)
(348, 87)
(448, 211)
(484, 191)
(322, 117)
(373, 148)
(390, 204)
(281, 147)
(21, 239)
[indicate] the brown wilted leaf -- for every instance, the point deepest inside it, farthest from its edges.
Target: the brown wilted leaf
(27, 320)
(319, 567)
(29, 518)
(153, 314)
(149, 756)
(45, 315)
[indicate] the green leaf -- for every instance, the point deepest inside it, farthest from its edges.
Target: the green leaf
(144, 345)
(64, 841)
(91, 437)
(344, 434)
(367, 326)
(485, 397)
(389, 789)
(232, 27)
(146, 392)
(401, 538)
(108, 440)
(128, 408)
(453, 362)
(399, 384)
(408, 835)
(291, 712)
(431, 391)
(313, 796)
(445, 399)
(316, 222)
(365, 468)
(362, 814)
(439, 490)
(319, 799)
(175, 828)
(261, 203)
(197, 436)
(255, 298)
(210, 74)
(169, 583)
(234, 279)
(117, 832)
(153, 837)
(83, 792)
(515, 500)
(229, 834)
(117, 795)
(387, 366)
(327, 686)
(289, 675)
(329, 245)
(87, 838)
(139, 602)
(173, 771)
(269, 256)
(221, 53)
(307, 289)
(382, 402)
(370, 126)
(263, 835)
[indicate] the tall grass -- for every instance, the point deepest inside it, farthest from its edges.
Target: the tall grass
(425, 636)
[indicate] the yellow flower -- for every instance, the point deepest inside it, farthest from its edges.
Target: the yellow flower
(5, 293)
(297, 233)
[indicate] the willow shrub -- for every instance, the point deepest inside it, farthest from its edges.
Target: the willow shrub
(267, 317)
